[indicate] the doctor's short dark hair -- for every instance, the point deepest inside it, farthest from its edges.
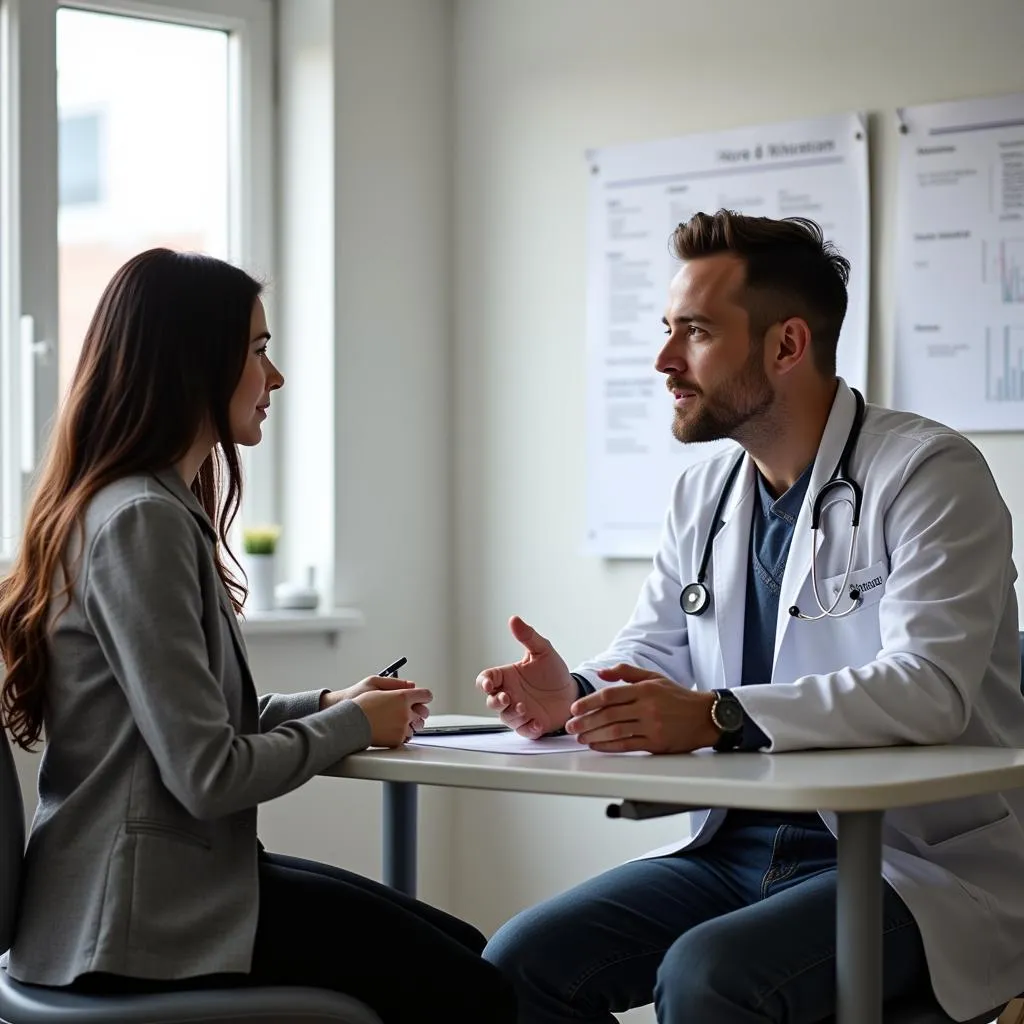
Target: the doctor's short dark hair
(791, 271)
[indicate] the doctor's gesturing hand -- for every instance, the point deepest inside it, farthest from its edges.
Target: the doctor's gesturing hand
(535, 693)
(648, 713)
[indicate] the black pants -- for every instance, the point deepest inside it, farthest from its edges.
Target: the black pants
(320, 925)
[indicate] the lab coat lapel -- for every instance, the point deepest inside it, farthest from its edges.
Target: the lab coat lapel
(798, 564)
(730, 559)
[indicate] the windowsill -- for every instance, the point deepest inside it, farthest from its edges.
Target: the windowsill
(299, 623)
(286, 623)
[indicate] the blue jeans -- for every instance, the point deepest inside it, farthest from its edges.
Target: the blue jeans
(741, 930)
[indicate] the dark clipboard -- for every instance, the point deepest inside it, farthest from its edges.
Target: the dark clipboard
(461, 730)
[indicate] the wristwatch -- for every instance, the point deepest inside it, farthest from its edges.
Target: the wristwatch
(727, 715)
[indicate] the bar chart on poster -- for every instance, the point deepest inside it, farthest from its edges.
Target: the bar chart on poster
(960, 270)
(1004, 365)
(638, 193)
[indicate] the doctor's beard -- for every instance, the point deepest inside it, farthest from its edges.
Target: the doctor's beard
(724, 412)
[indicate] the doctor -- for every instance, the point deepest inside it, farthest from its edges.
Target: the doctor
(842, 579)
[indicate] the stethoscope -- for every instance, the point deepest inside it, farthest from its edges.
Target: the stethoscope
(696, 598)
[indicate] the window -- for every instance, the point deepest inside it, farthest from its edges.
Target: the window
(165, 150)
(78, 159)
(162, 136)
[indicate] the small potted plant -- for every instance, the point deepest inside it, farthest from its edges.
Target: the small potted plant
(260, 543)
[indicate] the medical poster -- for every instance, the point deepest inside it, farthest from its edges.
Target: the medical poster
(960, 271)
(815, 168)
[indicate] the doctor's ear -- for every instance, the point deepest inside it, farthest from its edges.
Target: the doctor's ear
(790, 343)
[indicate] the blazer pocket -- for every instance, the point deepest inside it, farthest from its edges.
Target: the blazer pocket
(149, 827)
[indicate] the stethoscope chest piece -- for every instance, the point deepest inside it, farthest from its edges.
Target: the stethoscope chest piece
(694, 599)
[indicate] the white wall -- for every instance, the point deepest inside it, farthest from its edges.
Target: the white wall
(365, 179)
(538, 81)
(392, 217)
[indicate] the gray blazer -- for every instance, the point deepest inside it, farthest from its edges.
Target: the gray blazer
(142, 856)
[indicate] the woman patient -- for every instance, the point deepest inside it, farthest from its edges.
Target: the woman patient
(119, 635)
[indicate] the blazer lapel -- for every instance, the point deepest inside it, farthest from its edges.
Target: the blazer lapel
(236, 632)
(250, 699)
(798, 564)
(171, 481)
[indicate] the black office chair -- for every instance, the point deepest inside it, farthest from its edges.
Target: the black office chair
(904, 1011)
(35, 1004)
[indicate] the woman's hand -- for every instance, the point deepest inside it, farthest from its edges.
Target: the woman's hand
(364, 686)
(394, 713)
(380, 684)
(369, 685)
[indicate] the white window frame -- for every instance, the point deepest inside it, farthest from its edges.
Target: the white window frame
(28, 216)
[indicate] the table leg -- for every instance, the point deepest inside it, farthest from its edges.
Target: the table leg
(859, 919)
(399, 836)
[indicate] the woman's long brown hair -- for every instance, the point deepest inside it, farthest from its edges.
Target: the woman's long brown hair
(160, 362)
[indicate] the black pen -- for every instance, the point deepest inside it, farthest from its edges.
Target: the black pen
(392, 669)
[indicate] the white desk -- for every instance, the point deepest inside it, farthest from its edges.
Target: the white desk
(858, 785)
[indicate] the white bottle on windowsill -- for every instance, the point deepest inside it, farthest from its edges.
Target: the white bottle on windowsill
(298, 596)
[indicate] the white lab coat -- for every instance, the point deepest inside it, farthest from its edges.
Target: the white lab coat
(931, 656)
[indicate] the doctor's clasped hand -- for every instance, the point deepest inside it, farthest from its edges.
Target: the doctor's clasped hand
(648, 712)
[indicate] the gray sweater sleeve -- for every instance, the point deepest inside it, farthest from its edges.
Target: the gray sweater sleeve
(143, 599)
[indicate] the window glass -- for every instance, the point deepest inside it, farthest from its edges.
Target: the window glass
(143, 157)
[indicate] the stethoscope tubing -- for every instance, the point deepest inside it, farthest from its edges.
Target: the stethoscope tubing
(695, 597)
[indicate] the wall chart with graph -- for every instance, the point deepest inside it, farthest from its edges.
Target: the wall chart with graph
(960, 269)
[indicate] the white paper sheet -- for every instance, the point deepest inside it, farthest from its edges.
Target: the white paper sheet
(960, 269)
(503, 743)
(816, 168)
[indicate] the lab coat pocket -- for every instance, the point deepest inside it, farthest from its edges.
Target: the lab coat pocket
(984, 857)
(869, 582)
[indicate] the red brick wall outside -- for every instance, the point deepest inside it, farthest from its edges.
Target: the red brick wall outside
(84, 269)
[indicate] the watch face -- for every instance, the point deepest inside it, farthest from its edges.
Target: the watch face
(728, 714)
